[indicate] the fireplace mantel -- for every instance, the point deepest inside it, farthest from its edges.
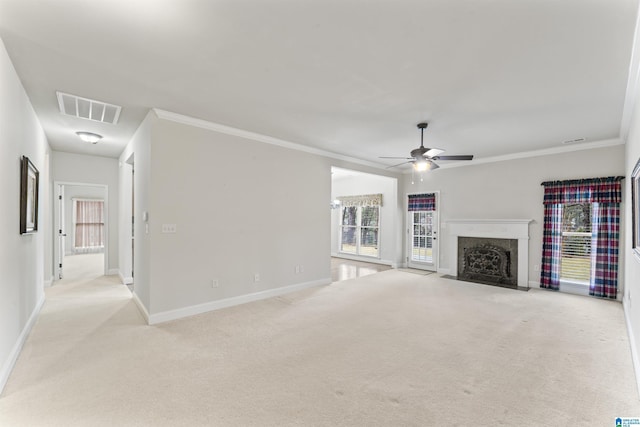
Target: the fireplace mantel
(492, 228)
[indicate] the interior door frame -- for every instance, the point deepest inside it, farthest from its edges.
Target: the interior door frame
(60, 219)
(59, 234)
(436, 227)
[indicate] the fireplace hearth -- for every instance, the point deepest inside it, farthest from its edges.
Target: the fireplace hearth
(488, 261)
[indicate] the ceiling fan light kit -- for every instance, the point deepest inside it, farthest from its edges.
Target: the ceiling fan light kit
(424, 165)
(422, 158)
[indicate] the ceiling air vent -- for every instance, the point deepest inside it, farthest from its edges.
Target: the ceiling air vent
(89, 109)
(574, 141)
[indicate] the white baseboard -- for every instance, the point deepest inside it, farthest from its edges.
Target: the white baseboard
(445, 271)
(635, 357)
(141, 307)
(534, 284)
(113, 272)
(48, 283)
(8, 365)
(124, 280)
(230, 302)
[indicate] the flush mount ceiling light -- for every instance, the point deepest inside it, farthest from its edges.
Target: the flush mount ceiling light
(89, 137)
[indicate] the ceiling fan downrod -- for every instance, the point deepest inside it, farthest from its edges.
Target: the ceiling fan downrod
(422, 127)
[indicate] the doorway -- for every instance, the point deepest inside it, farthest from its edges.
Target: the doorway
(422, 231)
(366, 224)
(81, 228)
(128, 221)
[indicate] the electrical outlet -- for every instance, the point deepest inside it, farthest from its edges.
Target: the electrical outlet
(169, 228)
(215, 283)
(256, 277)
(297, 269)
(301, 269)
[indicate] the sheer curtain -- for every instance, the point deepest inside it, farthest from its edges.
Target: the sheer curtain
(605, 195)
(89, 226)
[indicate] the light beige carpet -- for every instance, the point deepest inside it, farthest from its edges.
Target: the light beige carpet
(390, 349)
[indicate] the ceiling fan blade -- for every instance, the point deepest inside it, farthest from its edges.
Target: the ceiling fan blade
(398, 158)
(459, 157)
(432, 152)
(399, 164)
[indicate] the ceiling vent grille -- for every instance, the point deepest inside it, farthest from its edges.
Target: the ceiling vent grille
(89, 109)
(574, 141)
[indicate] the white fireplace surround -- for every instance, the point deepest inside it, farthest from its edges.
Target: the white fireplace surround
(492, 228)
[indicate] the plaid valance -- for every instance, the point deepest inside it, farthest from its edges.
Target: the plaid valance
(592, 190)
(422, 202)
(363, 200)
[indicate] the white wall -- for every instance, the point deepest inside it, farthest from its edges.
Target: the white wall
(364, 183)
(25, 262)
(241, 207)
(83, 169)
(511, 190)
(631, 261)
(140, 149)
(77, 192)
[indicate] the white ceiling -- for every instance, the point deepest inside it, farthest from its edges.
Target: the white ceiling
(354, 77)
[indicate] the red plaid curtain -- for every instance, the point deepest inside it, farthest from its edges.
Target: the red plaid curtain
(422, 202)
(604, 252)
(605, 194)
(551, 247)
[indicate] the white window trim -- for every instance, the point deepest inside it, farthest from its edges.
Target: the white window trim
(569, 282)
(359, 227)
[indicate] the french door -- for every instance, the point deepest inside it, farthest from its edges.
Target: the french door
(423, 240)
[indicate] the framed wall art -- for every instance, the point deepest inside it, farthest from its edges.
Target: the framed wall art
(29, 184)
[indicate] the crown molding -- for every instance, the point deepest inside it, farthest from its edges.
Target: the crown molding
(535, 153)
(228, 130)
(632, 83)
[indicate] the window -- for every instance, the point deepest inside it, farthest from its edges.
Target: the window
(581, 234)
(360, 229)
(575, 263)
(89, 226)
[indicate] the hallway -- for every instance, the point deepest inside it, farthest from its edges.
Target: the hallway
(82, 266)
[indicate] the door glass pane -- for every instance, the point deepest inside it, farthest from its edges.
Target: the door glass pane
(369, 241)
(349, 215)
(370, 216)
(348, 242)
(422, 239)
